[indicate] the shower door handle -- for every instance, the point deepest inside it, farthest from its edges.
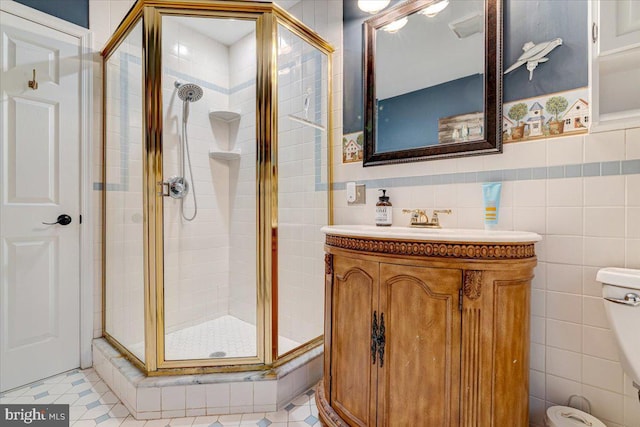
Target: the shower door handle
(164, 189)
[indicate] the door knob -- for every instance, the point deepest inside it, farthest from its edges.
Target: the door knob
(63, 219)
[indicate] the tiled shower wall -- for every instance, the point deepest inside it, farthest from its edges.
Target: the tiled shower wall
(582, 194)
(242, 180)
(196, 253)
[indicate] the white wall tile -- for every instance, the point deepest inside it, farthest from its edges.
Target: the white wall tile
(599, 342)
(173, 398)
(632, 140)
(602, 373)
(604, 222)
(196, 396)
(567, 307)
(604, 252)
(565, 364)
(633, 190)
(565, 192)
(593, 313)
(604, 191)
(564, 278)
(565, 249)
(559, 389)
(604, 146)
(530, 193)
(241, 394)
(264, 393)
(564, 335)
(565, 151)
(565, 221)
(605, 404)
(217, 395)
(148, 399)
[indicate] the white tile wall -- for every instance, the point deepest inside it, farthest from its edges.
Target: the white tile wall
(196, 269)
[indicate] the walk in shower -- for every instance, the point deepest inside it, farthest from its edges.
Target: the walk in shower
(217, 136)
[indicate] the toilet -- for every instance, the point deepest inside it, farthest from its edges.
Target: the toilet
(621, 291)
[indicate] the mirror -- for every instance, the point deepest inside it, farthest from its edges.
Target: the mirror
(433, 81)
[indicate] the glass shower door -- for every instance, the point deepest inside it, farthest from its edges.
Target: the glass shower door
(123, 219)
(209, 167)
(303, 102)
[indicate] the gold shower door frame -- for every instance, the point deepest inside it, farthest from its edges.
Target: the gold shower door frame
(267, 16)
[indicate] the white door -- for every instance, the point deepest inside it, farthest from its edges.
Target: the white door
(39, 181)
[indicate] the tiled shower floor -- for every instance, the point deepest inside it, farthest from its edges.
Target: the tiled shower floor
(92, 403)
(225, 336)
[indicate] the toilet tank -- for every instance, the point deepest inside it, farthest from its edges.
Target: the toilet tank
(621, 293)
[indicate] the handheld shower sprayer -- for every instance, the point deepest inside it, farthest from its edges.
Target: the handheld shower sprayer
(188, 93)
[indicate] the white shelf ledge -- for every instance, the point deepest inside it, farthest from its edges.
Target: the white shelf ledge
(225, 116)
(225, 155)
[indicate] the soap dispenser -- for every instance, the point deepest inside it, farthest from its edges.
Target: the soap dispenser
(384, 213)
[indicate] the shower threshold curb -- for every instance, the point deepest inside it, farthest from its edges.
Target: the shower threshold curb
(204, 394)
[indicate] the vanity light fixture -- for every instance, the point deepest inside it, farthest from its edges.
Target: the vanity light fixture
(395, 26)
(434, 8)
(372, 6)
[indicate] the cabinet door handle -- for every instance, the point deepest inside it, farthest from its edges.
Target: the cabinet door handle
(381, 340)
(374, 337)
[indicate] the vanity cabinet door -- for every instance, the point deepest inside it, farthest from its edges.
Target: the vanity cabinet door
(419, 379)
(353, 375)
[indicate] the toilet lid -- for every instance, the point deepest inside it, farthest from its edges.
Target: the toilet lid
(564, 416)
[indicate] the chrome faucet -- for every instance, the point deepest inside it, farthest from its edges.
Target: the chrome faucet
(419, 217)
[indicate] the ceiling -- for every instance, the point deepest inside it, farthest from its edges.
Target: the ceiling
(227, 31)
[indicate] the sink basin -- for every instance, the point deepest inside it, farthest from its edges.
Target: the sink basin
(433, 234)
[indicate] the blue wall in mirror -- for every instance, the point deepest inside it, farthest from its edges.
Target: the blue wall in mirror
(75, 11)
(403, 116)
(524, 20)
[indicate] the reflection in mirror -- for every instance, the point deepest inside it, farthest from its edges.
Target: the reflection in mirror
(430, 81)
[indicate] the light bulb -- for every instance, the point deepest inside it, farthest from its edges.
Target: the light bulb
(395, 25)
(372, 6)
(434, 8)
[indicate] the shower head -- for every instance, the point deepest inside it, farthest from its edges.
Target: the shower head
(188, 91)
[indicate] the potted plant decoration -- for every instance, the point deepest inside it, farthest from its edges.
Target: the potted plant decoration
(556, 105)
(517, 113)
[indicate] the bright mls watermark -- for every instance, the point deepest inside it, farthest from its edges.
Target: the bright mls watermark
(34, 415)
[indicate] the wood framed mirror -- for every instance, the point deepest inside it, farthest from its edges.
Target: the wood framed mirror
(433, 81)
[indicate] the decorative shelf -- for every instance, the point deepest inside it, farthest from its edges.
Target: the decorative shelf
(225, 155)
(225, 116)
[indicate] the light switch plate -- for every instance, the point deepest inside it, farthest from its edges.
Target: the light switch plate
(361, 191)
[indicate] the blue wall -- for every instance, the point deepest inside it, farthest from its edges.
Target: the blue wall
(413, 117)
(524, 20)
(75, 11)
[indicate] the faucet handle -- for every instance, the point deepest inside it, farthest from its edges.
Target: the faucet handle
(434, 218)
(418, 216)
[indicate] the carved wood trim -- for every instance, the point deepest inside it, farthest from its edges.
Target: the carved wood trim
(327, 415)
(470, 401)
(434, 249)
(328, 264)
(472, 284)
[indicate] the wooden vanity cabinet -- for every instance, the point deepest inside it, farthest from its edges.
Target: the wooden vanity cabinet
(455, 343)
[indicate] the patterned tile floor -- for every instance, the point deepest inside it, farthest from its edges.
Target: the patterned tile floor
(92, 403)
(226, 335)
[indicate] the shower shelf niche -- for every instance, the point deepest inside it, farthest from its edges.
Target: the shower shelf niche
(225, 128)
(225, 116)
(225, 155)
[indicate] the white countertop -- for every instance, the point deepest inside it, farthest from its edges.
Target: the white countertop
(431, 234)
